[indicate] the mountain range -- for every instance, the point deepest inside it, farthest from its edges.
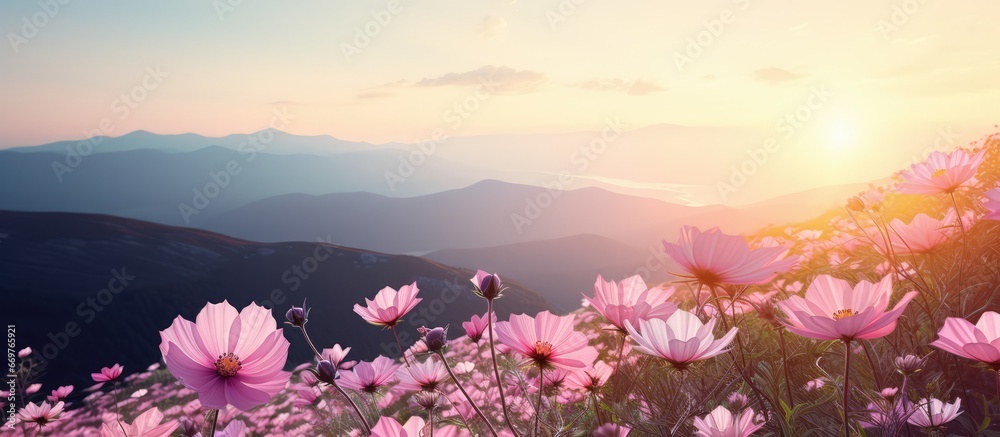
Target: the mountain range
(77, 283)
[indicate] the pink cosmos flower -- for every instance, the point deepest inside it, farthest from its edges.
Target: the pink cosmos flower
(932, 412)
(992, 204)
(713, 258)
(721, 423)
(41, 414)
(146, 425)
(476, 326)
(547, 339)
(33, 388)
(424, 376)
(941, 173)
(368, 377)
(60, 393)
(235, 428)
(389, 306)
(108, 373)
(337, 355)
(814, 384)
(24, 352)
(630, 300)
(228, 357)
(681, 339)
(979, 342)
(389, 427)
(306, 396)
(612, 430)
(920, 235)
(832, 310)
(590, 380)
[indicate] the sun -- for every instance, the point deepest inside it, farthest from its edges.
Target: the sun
(841, 134)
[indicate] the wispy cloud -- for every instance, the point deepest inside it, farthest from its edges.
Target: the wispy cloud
(638, 87)
(503, 80)
(775, 75)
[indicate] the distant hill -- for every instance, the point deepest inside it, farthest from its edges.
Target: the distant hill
(280, 143)
(487, 213)
(53, 267)
(152, 184)
(563, 268)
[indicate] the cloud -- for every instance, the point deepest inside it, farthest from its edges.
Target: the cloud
(775, 75)
(506, 80)
(503, 80)
(643, 88)
(638, 87)
(492, 27)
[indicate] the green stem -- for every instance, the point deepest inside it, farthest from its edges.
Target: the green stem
(847, 385)
(210, 421)
(401, 351)
(364, 422)
(538, 406)
(467, 397)
(496, 370)
(784, 365)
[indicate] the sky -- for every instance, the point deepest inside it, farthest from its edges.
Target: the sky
(868, 84)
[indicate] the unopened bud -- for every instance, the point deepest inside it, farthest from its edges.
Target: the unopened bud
(327, 372)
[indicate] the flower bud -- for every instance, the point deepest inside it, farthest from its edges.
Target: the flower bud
(429, 400)
(910, 364)
(856, 204)
(488, 286)
(436, 339)
(188, 427)
(889, 393)
(298, 316)
(738, 401)
(327, 372)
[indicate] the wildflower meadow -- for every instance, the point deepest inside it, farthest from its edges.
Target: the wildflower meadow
(877, 318)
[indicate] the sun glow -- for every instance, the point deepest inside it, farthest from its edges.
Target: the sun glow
(841, 134)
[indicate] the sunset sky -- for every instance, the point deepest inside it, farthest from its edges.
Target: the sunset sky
(224, 69)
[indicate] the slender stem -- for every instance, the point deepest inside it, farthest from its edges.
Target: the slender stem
(718, 308)
(310, 342)
(998, 385)
(430, 418)
(597, 406)
(496, 370)
(538, 406)
(401, 351)
(460, 416)
(118, 416)
(965, 241)
(614, 374)
(901, 396)
(847, 385)
(784, 365)
(467, 397)
(211, 419)
(871, 363)
(375, 404)
(364, 422)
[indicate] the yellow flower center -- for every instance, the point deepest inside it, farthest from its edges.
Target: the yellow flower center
(542, 352)
(846, 312)
(227, 365)
(938, 172)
